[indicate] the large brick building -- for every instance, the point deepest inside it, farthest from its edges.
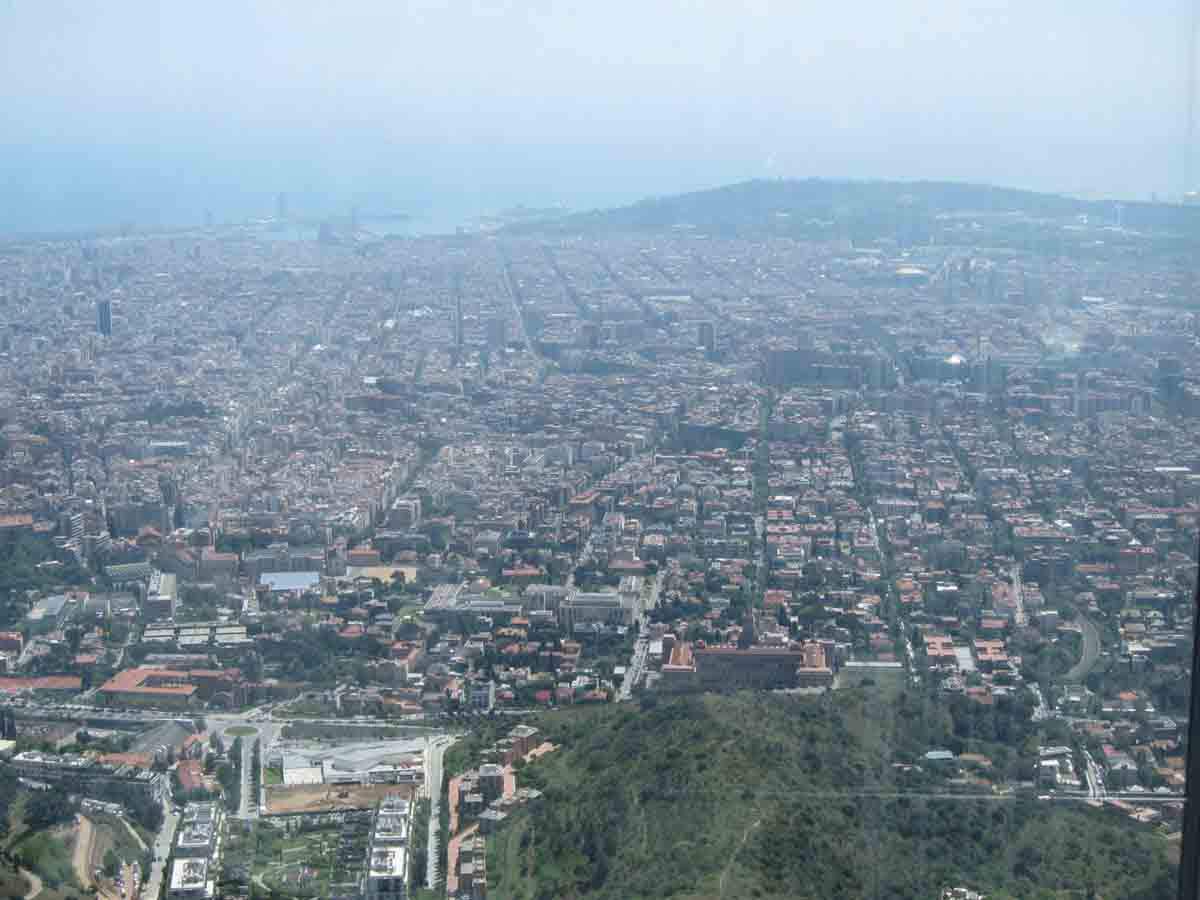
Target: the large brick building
(726, 667)
(173, 688)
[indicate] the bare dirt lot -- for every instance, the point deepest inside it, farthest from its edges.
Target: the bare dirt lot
(81, 857)
(328, 797)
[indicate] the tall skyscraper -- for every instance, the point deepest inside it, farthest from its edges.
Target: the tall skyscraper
(104, 317)
(707, 335)
(1080, 399)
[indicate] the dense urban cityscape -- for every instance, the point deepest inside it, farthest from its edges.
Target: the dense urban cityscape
(341, 564)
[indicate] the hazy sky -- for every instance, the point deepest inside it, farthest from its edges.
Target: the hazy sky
(109, 110)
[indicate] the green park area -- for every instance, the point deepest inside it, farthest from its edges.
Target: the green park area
(37, 839)
(315, 862)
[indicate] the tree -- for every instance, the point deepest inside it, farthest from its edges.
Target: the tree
(48, 808)
(362, 674)
(250, 664)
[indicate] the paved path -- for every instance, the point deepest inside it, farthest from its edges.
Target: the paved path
(741, 844)
(35, 884)
(133, 833)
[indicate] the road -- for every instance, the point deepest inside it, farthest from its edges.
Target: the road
(1019, 617)
(162, 849)
(248, 807)
(584, 555)
(1095, 777)
(514, 295)
(435, 750)
(641, 648)
(655, 590)
(1041, 711)
(635, 670)
(1091, 652)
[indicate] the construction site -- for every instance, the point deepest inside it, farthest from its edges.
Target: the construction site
(321, 798)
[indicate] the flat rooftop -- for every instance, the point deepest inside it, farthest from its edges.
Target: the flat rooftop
(388, 862)
(189, 874)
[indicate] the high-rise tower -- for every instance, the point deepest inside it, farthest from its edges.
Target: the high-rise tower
(104, 317)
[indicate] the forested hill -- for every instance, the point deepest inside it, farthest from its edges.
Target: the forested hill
(862, 208)
(775, 796)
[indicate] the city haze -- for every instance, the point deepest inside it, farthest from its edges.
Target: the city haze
(155, 115)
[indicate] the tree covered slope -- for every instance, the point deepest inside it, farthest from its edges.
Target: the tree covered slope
(779, 796)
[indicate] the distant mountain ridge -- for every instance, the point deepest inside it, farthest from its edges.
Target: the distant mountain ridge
(770, 204)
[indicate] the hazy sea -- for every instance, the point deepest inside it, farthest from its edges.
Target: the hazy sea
(68, 212)
(53, 189)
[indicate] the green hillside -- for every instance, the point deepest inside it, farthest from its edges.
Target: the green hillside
(775, 796)
(861, 209)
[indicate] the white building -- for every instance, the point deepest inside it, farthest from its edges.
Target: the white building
(386, 873)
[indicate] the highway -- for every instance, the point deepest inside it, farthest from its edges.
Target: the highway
(261, 718)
